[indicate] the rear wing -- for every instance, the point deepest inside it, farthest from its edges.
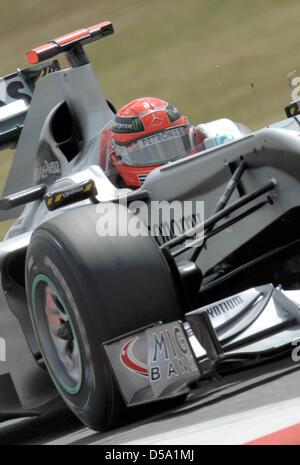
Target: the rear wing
(71, 45)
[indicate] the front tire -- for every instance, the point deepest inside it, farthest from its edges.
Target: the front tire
(84, 289)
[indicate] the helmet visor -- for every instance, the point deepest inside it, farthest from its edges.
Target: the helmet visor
(157, 148)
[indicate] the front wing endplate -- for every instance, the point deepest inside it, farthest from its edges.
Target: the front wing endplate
(152, 364)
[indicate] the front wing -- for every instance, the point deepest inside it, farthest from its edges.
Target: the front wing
(162, 361)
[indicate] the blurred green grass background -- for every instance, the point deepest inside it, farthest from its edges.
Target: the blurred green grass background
(170, 49)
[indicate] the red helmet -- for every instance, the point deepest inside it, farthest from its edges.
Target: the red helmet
(145, 134)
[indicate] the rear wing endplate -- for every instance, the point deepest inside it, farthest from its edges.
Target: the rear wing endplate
(71, 44)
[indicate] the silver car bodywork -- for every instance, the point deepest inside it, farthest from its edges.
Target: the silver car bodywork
(259, 320)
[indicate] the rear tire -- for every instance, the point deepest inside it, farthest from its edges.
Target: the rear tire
(92, 289)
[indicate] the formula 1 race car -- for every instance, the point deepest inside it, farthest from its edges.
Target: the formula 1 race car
(94, 308)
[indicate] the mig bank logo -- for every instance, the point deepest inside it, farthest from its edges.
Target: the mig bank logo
(2, 350)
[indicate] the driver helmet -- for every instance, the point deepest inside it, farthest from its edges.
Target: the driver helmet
(146, 134)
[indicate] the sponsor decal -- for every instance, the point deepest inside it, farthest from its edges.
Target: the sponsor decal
(85, 190)
(164, 136)
(155, 119)
(155, 362)
(171, 356)
(130, 361)
(51, 168)
(225, 306)
(127, 125)
(76, 190)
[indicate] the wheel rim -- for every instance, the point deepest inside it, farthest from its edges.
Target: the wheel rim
(56, 334)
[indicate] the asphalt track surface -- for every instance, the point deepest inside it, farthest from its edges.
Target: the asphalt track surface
(242, 397)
